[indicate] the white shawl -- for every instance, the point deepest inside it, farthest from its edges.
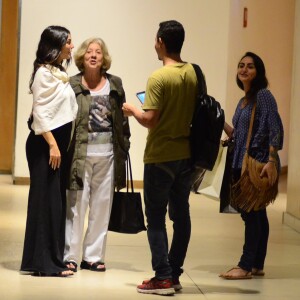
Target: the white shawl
(54, 101)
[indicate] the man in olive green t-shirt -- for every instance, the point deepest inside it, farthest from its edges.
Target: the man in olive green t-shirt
(167, 113)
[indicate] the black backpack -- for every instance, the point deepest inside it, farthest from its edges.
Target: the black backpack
(207, 126)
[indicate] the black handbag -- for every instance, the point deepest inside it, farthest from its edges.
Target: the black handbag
(127, 213)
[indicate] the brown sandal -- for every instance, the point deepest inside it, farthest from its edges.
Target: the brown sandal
(257, 272)
(246, 275)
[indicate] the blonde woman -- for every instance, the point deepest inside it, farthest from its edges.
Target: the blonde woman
(100, 147)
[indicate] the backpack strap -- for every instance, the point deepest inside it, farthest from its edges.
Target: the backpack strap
(202, 89)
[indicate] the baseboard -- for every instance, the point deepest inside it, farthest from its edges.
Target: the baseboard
(137, 184)
(5, 172)
(21, 180)
(284, 170)
(291, 221)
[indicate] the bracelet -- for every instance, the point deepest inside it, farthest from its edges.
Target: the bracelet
(272, 161)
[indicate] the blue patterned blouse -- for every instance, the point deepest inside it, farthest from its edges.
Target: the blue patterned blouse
(267, 129)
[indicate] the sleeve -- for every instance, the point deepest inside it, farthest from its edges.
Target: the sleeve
(269, 119)
(43, 86)
(48, 98)
(154, 93)
(126, 128)
(124, 131)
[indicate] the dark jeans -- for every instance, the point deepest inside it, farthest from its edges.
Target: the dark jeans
(256, 236)
(166, 184)
(256, 240)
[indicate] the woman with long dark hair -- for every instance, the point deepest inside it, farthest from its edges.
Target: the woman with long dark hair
(266, 140)
(53, 111)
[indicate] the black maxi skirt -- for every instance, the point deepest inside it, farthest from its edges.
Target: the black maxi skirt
(46, 212)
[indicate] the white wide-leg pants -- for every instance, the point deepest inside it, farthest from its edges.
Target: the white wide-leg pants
(97, 193)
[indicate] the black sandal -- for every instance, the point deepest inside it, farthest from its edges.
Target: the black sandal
(74, 268)
(93, 267)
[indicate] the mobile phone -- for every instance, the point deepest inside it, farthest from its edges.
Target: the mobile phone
(141, 96)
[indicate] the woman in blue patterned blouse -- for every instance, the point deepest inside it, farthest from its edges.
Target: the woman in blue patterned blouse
(266, 140)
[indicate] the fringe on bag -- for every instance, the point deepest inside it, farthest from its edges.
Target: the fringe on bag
(252, 192)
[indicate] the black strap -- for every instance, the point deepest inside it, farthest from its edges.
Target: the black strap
(129, 174)
(202, 89)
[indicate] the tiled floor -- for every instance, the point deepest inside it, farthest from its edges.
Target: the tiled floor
(215, 246)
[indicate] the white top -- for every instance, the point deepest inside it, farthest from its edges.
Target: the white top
(100, 126)
(54, 101)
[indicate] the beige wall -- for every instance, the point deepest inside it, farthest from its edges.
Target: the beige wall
(269, 34)
(215, 39)
(129, 29)
(292, 215)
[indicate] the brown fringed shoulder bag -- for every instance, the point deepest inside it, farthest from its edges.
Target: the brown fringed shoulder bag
(252, 192)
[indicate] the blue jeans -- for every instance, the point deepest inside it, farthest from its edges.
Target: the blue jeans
(256, 240)
(168, 184)
(256, 236)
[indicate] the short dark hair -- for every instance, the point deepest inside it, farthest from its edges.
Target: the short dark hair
(52, 40)
(260, 81)
(172, 34)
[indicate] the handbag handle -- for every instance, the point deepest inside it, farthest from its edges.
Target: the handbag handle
(250, 126)
(129, 174)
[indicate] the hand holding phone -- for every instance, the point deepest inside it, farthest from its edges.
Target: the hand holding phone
(141, 96)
